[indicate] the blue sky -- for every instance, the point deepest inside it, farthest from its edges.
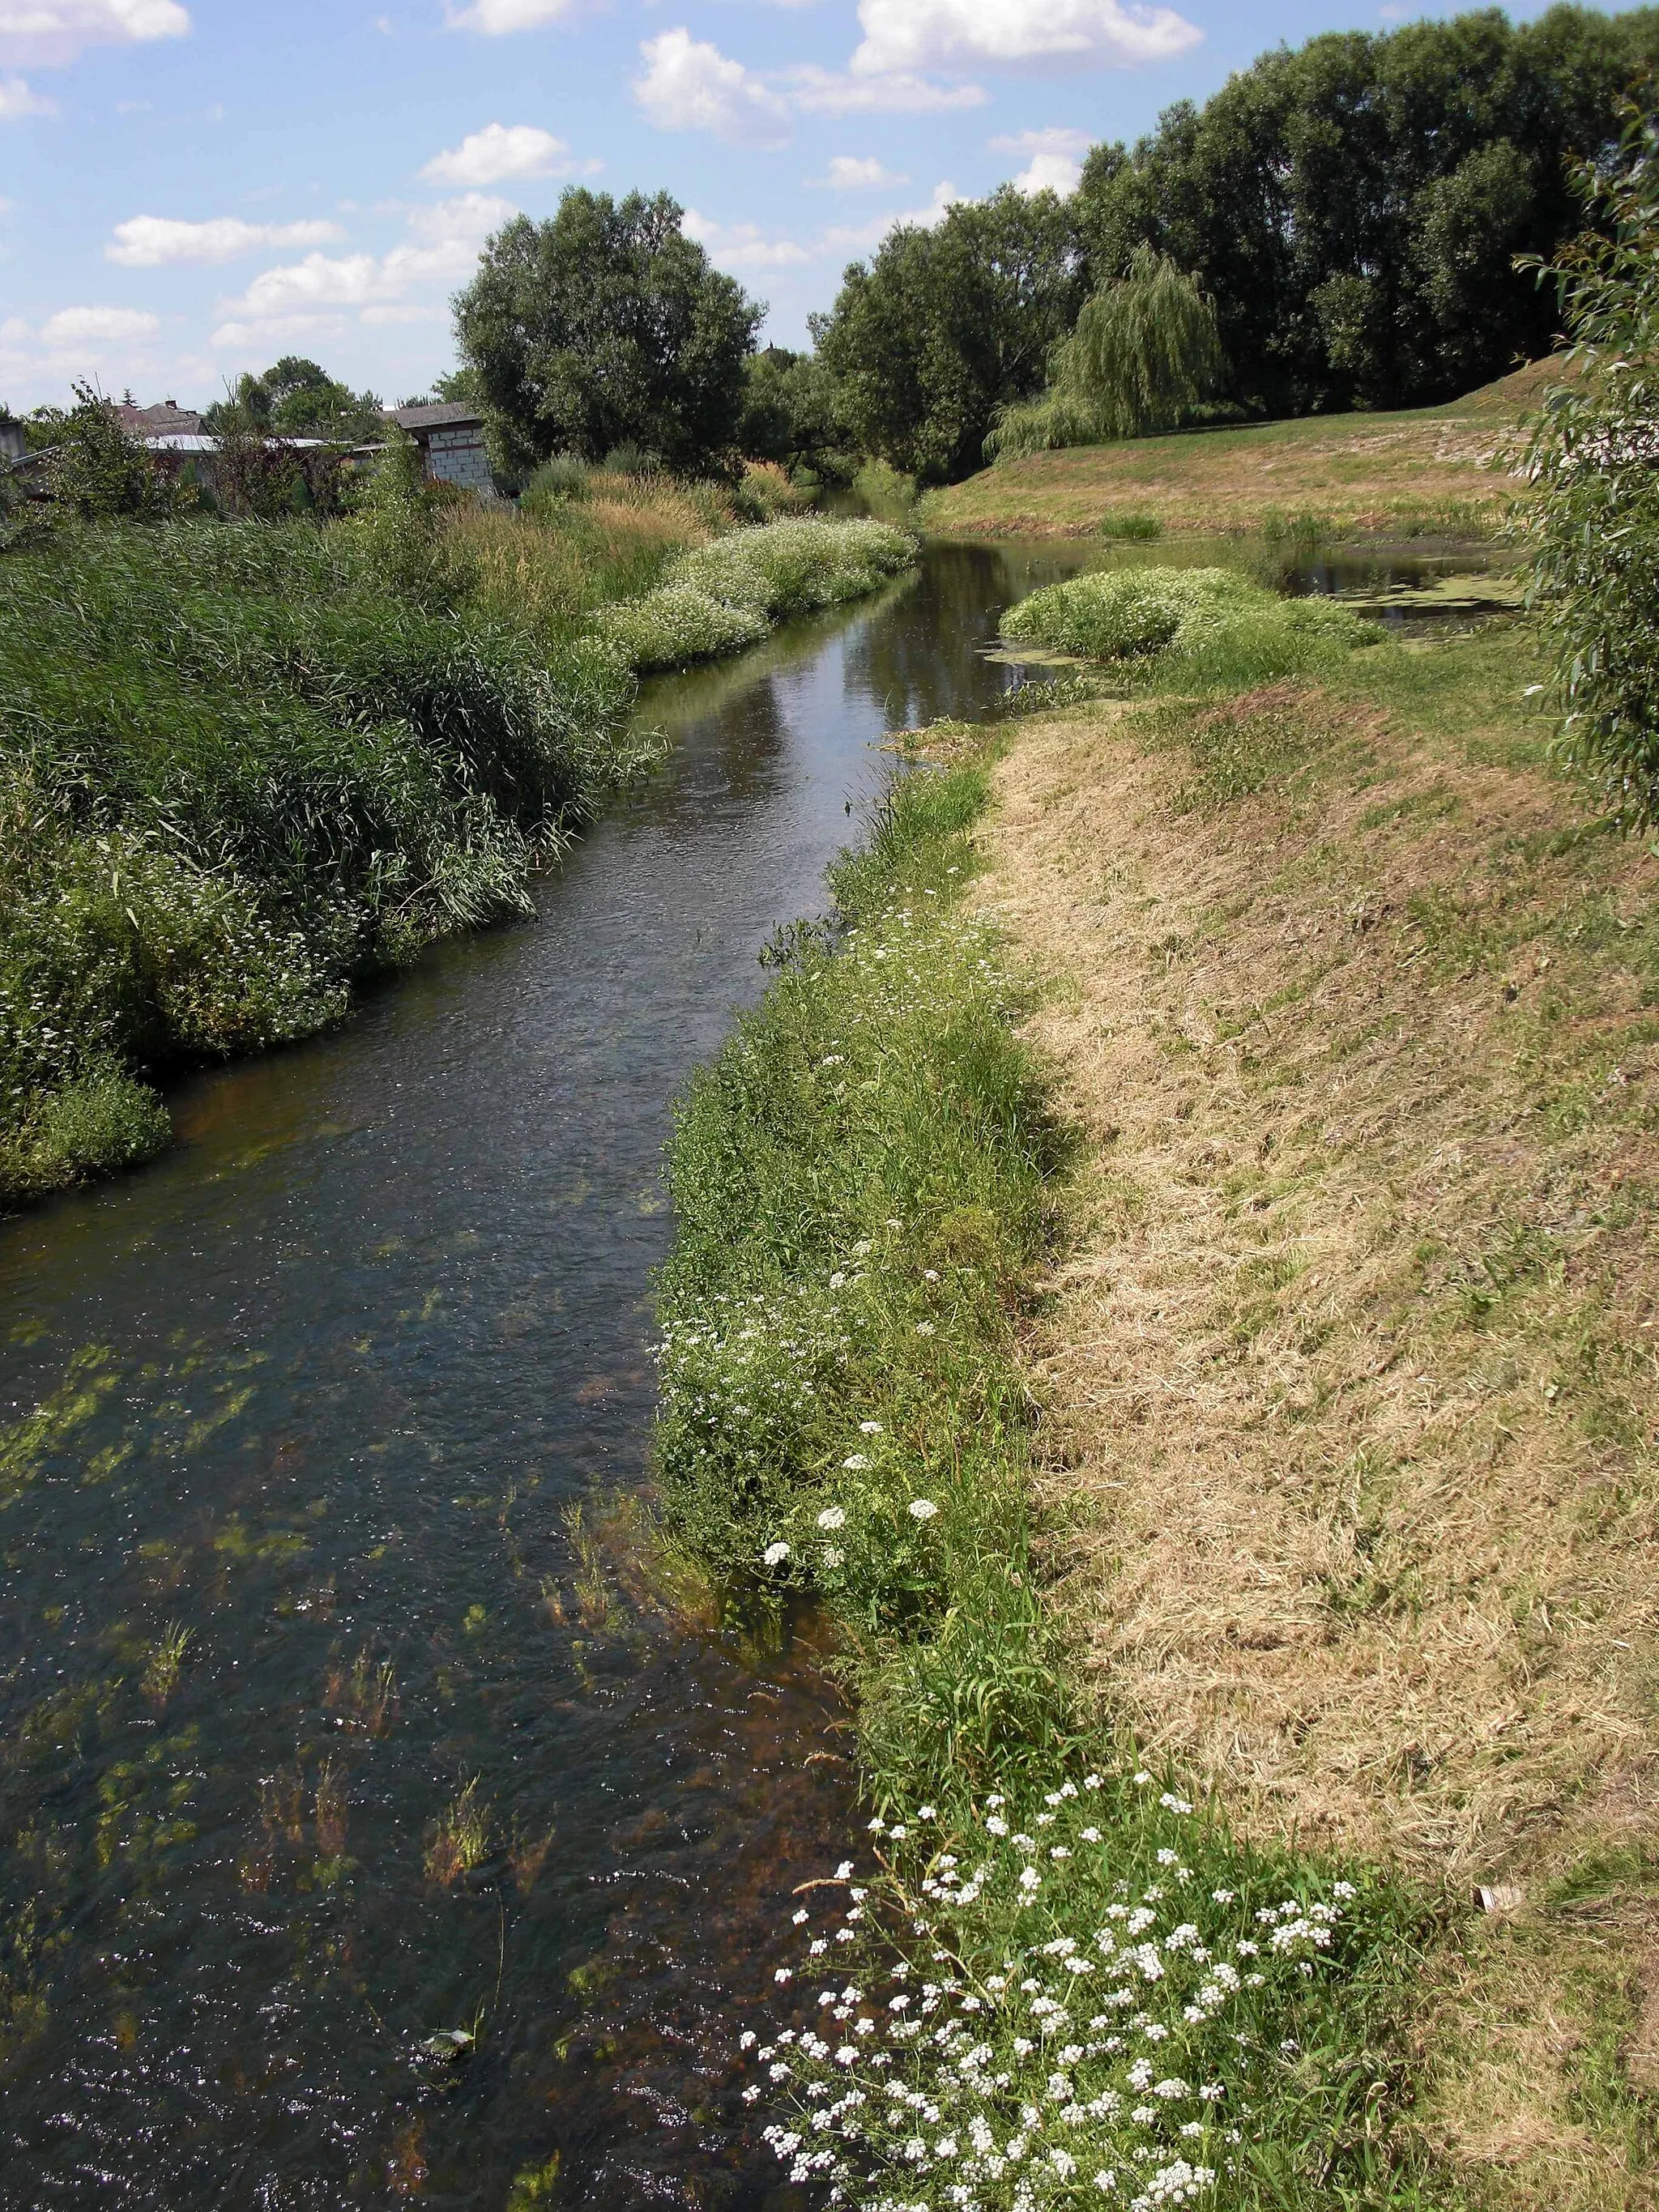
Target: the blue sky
(189, 188)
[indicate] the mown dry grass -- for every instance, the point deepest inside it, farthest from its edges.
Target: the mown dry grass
(1350, 1371)
(1428, 472)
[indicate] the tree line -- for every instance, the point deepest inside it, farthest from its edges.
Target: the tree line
(1350, 212)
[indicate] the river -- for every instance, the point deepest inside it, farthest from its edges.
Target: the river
(319, 1444)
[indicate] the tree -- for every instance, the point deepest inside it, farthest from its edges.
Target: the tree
(947, 326)
(1353, 208)
(1594, 461)
(298, 398)
(96, 471)
(606, 326)
(790, 414)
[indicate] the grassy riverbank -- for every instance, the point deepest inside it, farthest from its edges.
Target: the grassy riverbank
(243, 765)
(1427, 473)
(1349, 1366)
(869, 1184)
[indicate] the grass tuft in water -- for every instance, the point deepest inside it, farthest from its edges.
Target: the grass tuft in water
(459, 1839)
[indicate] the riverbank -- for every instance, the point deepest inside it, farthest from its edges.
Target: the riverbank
(1433, 471)
(869, 1185)
(246, 766)
(1349, 1370)
(1304, 1367)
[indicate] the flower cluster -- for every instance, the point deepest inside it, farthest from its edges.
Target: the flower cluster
(1042, 2031)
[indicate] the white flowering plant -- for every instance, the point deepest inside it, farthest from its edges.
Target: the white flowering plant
(1054, 2002)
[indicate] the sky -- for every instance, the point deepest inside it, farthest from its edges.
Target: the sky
(192, 188)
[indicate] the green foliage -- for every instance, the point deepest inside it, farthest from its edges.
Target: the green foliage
(558, 480)
(239, 766)
(297, 399)
(1208, 628)
(728, 594)
(858, 1186)
(101, 1122)
(97, 472)
(1353, 207)
(790, 416)
(1143, 354)
(1593, 519)
(603, 325)
(946, 325)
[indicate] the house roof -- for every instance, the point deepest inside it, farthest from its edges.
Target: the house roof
(166, 419)
(447, 414)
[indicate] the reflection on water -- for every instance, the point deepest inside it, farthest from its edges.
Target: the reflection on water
(376, 1826)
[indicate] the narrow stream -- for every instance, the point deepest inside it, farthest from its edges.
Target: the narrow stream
(349, 1396)
(322, 1388)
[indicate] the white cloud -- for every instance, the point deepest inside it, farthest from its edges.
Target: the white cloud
(96, 327)
(1056, 164)
(497, 19)
(689, 85)
(862, 238)
(17, 99)
(56, 31)
(831, 92)
(441, 248)
(953, 34)
(848, 172)
(501, 150)
(743, 245)
(151, 241)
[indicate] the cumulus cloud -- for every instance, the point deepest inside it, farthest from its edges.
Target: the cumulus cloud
(151, 241)
(56, 31)
(1056, 164)
(496, 18)
(499, 151)
(849, 173)
(441, 248)
(832, 91)
(955, 34)
(96, 327)
(18, 99)
(742, 245)
(863, 238)
(689, 85)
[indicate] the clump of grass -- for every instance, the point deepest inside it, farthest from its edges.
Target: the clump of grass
(460, 1838)
(365, 1692)
(728, 594)
(1131, 526)
(1204, 628)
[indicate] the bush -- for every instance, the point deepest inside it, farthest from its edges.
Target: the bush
(554, 484)
(728, 594)
(1207, 626)
(1593, 519)
(102, 1121)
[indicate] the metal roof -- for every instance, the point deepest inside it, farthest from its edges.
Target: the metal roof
(447, 413)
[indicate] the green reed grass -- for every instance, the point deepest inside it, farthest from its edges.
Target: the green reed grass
(863, 1183)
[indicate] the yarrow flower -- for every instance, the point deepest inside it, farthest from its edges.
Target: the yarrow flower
(921, 1508)
(775, 1554)
(833, 1516)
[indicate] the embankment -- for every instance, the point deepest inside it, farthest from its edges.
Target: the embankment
(244, 765)
(1432, 472)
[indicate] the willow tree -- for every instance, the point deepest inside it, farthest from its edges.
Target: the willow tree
(1144, 351)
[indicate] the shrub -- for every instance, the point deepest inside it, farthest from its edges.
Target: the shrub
(556, 482)
(1593, 520)
(101, 1122)
(728, 594)
(1207, 627)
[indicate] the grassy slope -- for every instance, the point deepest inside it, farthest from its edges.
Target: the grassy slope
(1350, 1373)
(1409, 473)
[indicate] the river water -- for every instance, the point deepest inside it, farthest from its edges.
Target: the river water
(349, 1396)
(321, 1389)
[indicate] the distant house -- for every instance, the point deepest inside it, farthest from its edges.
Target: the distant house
(451, 437)
(167, 419)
